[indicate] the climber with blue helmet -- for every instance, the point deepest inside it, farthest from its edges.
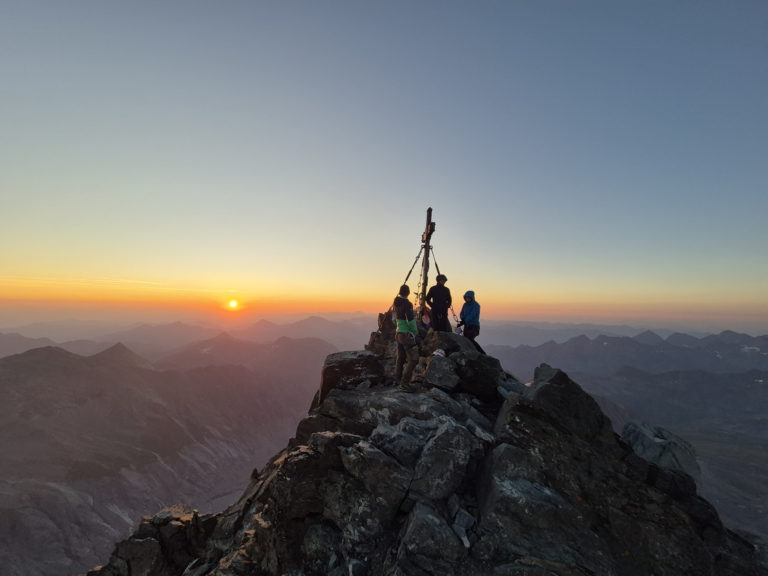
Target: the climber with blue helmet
(470, 318)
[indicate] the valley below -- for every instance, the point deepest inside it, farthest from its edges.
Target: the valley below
(90, 444)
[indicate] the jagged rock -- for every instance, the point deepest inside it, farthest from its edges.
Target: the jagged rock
(405, 440)
(318, 547)
(381, 474)
(429, 546)
(569, 405)
(360, 412)
(349, 369)
(441, 373)
(482, 478)
(480, 375)
(449, 342)
(443, 463)
(508, 384)
(162, 545)
(661, 447)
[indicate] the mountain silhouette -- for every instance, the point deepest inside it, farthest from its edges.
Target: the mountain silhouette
(224, 349)
(344, 335)
(155, 340)
(119, 355)
(16, 343)
(649, 338)
(725, 352)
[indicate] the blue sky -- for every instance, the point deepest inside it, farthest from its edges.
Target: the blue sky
(584, 160)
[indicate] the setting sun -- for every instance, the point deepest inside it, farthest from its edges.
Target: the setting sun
(233, 304)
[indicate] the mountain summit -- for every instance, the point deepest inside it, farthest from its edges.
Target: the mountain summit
(119, 355)
(474, 474)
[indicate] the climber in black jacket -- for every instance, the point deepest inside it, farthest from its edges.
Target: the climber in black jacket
(439, 300)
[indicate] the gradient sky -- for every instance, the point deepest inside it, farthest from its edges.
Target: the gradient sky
(591, 160)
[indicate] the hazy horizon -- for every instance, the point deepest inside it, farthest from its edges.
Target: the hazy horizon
(71, 323)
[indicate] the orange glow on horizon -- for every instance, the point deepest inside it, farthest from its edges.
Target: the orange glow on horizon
(220, 303)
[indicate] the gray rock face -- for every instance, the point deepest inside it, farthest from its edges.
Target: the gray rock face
(467, 478)
(661, 447)
(573, 409)
(440, 372)
(365, 365)
(163, 544)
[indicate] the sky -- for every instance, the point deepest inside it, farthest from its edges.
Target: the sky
(585, 161)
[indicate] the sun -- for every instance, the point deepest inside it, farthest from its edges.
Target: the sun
(233, 304)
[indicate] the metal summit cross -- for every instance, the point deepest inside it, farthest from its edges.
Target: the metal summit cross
(425, 238)
(426, 248)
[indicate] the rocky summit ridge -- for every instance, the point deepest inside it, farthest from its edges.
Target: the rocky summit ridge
(471, 474)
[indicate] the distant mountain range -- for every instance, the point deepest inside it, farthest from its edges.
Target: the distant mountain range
(14, 343)
(226, 349)
(536, 333)
(724, 352)
(90, 443)
(155, 341)
(345, 335)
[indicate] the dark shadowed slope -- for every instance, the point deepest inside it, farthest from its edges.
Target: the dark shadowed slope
(722, 415)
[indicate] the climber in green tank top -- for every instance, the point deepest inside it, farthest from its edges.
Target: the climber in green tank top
(405, 336)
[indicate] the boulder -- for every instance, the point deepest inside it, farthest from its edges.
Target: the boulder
(349, 370)
(405, 440)
(429, 545)
(442, 467)
(382, 475)
(661, 447)
(440, 372)
(568, 405)
(480, 375)
(162, 545)
(449, 342)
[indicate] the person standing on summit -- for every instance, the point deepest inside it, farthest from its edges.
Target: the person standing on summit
(439, 300)
(405, 336)
(470, 318)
